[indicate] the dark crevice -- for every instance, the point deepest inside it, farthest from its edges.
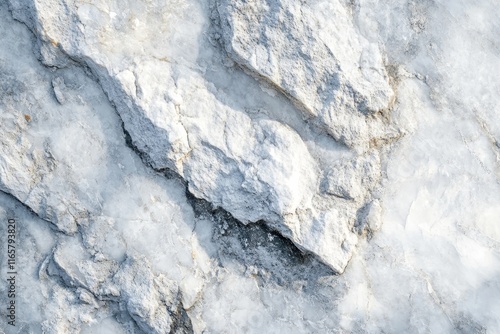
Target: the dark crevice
(182, 322)
(255, 244)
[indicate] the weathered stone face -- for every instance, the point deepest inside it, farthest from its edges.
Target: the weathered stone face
(312, 52)
(192, 166)
(262, 166)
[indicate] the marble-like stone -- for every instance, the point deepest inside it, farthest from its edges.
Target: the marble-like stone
(256, 167)
(244, 196)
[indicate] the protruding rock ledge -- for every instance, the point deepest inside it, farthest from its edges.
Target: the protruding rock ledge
(313, 54)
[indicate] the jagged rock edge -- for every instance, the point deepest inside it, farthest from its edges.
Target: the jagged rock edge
(180, 321)
(166, 172)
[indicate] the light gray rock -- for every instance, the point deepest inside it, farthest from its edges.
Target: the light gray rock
(353, 179)
(151, 300)
(131, 254)
(28, 167)
(312, 52)
(74, 264)
(260, 167)
(59, 88)
(372, 216)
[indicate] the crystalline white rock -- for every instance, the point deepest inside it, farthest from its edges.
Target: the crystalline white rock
(149, 299)
(281, 113)
(353, 179)
(182, 117)
(313, 53)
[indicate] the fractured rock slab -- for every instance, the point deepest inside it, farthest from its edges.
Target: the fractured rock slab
(312, 52)
(258, 167)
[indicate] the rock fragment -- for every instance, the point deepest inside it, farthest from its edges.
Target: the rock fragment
(312, 53)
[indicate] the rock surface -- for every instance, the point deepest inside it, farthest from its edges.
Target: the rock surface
(255, 166)
(313, 53)
(238, 166)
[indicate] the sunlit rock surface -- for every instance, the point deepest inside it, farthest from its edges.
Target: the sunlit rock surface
(186, 109)
(312, 52)
(262, 166)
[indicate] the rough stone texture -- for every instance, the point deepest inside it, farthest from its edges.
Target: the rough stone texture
(151, 300)
(231, 203)
(258, 168)
(353, 179)
(312, 52)
(29, 170)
